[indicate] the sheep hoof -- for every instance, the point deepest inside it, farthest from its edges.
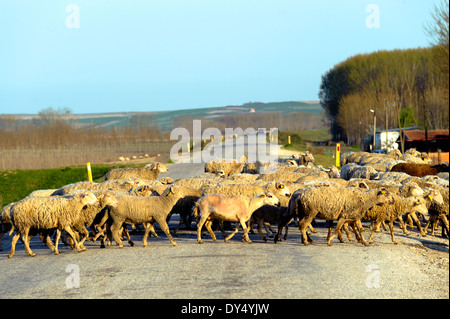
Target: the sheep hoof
(330, 243)
(200, 242)
(174, 244)
(131, 243)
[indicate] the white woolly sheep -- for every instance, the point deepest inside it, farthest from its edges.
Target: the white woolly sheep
(89, 212)
(235, 208)
(393, 211)
(47, 213)
(343, 204)
(133, 209)
(150, 172)
(229, 167)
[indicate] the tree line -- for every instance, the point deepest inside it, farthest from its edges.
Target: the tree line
(401, 87)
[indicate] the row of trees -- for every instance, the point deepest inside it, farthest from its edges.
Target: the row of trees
(402, 87)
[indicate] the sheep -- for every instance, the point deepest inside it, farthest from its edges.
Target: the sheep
(267, 214)
(352, 170)
(5, 222)
(235, 208)
(48, 213)
(281, 190)
(227, 166)
(281, 176)
(393, 211)
(420, 170)
(150, 172)
(89, 212)
(257, 167)
(342, 204)
(132, 209)
(304, 158)
(437, 210)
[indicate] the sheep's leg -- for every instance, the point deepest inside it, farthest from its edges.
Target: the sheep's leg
(147, 230)
(210, 231)
(445, 224)
(260, 223)
(360, 228)
(303, 225)
(199, 228)
(340, 223)
(127, 234)
(391, 228)
(69, 230)
(246, 230)
(46, 239)
(349, 235)
(115, 227)
(233, 233)
(85, 234)
(286, 232)
(416, 220)
(13, 244)
(375, 225)
(403, 226)
(26, 242)
(57, 236)
(165, 228)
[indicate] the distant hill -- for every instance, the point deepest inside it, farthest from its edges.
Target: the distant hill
(165, 118)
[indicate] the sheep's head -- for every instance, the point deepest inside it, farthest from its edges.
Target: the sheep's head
(434, 196)
(396, 153)
(384, 196)
(221, 173)
(420, 206)
(308, 157)
(88, 198)
(108, 198)
(416, 191)
(282, 189)
(269, 198)
(144, 190)
(157, 167)
(334, 172)
(172, 190)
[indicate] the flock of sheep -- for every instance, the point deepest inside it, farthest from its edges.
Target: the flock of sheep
(369, 187)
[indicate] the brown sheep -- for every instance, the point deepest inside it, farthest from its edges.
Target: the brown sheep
(233, 208)
(420, 170)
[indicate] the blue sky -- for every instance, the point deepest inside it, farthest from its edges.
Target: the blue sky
(173, 54)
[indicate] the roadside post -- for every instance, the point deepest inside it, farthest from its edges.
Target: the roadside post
(89, 171)
(338, 155)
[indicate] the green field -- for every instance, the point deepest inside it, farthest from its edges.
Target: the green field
(17, 184)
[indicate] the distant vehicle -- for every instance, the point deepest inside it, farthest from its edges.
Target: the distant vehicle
(261, 131)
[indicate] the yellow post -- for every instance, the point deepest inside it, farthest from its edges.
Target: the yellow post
(89, 171)
(289, 139)
(338, 155)
(189, 147)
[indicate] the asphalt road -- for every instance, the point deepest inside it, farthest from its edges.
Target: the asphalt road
(416, 268)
